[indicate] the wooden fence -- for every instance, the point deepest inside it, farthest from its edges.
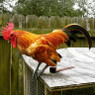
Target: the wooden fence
(43, 22)
(11, 75)
(5, 67)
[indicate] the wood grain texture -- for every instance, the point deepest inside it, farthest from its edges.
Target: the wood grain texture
(47, 92)
(82, 75)
(11, 80)
(26, 79)
(16, 74)
(5, 70)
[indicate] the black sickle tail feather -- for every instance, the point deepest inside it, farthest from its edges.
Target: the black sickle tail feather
(73, 30)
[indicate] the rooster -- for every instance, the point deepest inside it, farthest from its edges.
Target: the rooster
(43, 47)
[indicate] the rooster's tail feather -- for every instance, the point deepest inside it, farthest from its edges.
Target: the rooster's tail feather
(73, 30)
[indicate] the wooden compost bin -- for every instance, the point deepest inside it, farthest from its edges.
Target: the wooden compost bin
(77, 81)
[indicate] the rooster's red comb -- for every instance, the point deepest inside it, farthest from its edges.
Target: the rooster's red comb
(6, 32)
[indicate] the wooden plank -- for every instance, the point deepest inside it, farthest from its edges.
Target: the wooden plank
(16, 73)
(47, 92)
(26, 79)
(80, 91)
(5, 55)
(21, 80)
(81, 76)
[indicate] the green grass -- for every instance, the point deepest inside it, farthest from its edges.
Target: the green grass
(38, 31)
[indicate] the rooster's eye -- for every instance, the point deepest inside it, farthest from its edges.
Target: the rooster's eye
(11, 35)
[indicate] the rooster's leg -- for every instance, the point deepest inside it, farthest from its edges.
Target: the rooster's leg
(35, 73)
(41, 72)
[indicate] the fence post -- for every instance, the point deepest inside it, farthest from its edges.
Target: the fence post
(16, 74)
(11, 75)
(5, 69)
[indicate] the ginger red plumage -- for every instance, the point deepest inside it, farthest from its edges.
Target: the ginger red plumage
(41, 47)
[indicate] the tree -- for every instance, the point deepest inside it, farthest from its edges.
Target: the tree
(1, 6)
(46, 8)
(87, 7)
(6, 6)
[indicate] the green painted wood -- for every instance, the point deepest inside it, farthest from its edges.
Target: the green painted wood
(16, 73)
(11, 70)
(20, 74)
(5, 68)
